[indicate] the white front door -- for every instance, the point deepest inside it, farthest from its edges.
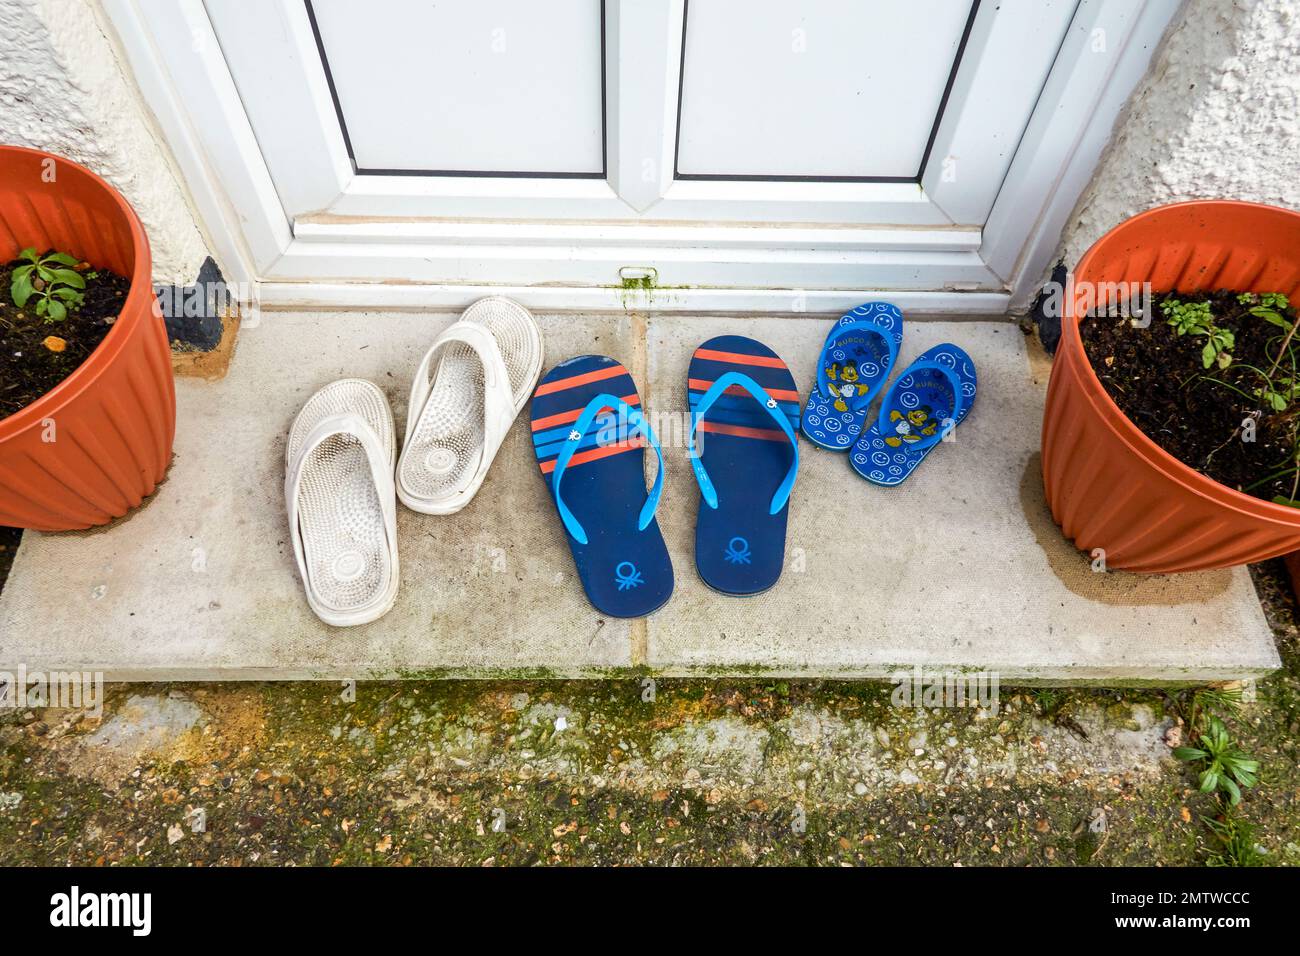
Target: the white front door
(767, 146)
(822, 89)
(455, 89)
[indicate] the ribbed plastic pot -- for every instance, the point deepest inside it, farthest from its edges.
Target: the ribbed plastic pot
(1108, 485)
(98, 443)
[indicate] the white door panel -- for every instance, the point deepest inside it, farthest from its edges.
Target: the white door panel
(491, 86)
(745, 151)
(814, 88)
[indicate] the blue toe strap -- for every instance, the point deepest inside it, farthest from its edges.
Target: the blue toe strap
(637, 423)
(958, 402)
(724, 382)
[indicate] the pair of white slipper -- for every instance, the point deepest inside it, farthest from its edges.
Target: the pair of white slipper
(343, 474)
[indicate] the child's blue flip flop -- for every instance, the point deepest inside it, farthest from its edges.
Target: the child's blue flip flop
(744, 448)
(930, 399)
(589, 436)
(855, 361)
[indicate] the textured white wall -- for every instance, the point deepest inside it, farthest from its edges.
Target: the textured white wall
(63, 89)
(1218, 117)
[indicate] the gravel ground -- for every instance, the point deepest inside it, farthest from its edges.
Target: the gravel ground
(633, 771)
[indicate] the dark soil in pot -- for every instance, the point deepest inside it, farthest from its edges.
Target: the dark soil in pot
(1237, 419)
(38, 352)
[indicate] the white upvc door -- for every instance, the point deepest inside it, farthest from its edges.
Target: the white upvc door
(733, 150)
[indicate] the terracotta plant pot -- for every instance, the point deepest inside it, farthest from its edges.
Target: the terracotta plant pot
(113, 419)
(1108, 485)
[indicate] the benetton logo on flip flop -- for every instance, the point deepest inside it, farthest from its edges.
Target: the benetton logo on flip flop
(627, 576)
(738, 551)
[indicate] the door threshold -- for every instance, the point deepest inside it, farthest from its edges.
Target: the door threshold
(633, 298)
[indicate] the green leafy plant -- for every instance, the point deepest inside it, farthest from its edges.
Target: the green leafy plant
(1265, 300)
(1221, 702)
(1224, 770)
(1275, 390)
(1195, 318)
(51, 281)
(1226, 767)
(1281, 395)
(1218, 348)
(1048, 699)
(1272, 308)
(1235, 842)
(1278, 394)
(1188, 317)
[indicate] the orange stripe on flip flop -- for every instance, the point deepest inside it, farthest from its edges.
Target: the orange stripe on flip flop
(562, 418)
(573, 381)
(740, 358)
(781, 394)
(740, 431)
(594, 454)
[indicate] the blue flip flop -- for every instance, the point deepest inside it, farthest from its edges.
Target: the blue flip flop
(931, 398)
(589, 435)
(744, 448)
(855, 362)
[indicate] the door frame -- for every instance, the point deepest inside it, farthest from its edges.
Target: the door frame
(943, 260)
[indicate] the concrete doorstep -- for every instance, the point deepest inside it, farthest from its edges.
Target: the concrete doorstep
(959, 569)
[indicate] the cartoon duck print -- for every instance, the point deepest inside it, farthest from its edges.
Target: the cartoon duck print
(847, 381)
(911, 428)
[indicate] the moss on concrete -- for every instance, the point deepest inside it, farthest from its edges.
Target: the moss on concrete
(653, 770)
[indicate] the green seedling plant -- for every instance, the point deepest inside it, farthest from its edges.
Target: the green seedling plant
(1275, 390)
(1235, 842)
(1278, 394)
(1225, 766)
(1224, 770)
(1195, 318)
(51, 282)
(1272, 307)
(1221, 702)
(1048, 699)
(1260, 303)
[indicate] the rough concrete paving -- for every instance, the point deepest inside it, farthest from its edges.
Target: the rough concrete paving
(529, 772)
(959, 568)
(485, 773)
(200, 583)
(664, 772)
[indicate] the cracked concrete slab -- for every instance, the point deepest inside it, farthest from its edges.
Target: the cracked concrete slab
(959, 568)
(200, 583)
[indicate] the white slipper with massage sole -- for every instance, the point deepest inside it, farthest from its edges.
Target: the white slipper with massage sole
(483, 368)
(338, 488)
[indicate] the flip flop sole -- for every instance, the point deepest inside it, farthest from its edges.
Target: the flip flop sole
(449, 445)
(739, 546)
(349, 569)
(626, 572)
(856, 359)
(915, 406)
